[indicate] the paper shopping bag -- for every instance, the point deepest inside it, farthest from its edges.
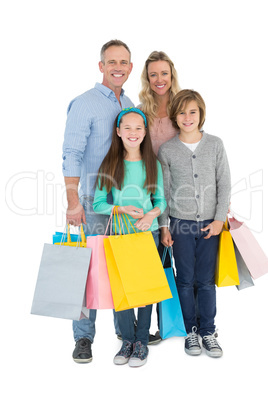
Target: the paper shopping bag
(98, 289)
(226, 273)
(67, 239)
(135, 270)
(171, 321)
(245, 278)
(61, 282)
(253, 256)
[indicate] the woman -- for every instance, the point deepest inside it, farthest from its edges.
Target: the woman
(159, 86)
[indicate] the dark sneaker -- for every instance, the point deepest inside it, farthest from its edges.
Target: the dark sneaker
(154, 339)
(139, 355)
(82, 352)
(192, 346)
(211, 345)
(122, 357)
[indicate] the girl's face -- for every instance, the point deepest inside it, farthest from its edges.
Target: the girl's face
(159, 75)
(131, 130)
(188, 119)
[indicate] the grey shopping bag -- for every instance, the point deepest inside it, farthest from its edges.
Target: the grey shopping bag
(245, 278)
(61, 282)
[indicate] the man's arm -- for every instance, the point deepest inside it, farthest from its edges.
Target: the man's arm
(75, 214)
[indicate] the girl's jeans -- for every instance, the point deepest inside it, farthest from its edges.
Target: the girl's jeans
(195, 261)
(125, 318)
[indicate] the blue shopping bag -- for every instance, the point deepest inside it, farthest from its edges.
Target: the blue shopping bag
(171, 321)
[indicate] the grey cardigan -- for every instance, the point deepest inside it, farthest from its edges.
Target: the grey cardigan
(197, 184)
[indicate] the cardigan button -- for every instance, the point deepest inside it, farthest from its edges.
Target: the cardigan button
(196, 175)
(193, 156)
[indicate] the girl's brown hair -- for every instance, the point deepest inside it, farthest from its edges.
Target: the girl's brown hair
(111, 172)
(180, 102)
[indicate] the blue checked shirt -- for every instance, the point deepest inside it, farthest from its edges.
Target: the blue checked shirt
(88, 133)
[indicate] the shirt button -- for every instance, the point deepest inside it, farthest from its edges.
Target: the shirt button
(196, 175)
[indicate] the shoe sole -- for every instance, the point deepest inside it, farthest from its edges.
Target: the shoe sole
(136, 362)
(193, 352)
(121, 363)
(154, 342)
(214, 354)
(83, 361)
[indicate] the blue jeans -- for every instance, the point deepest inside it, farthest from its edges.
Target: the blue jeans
(125, 318)
(195, 261)
(96, 224)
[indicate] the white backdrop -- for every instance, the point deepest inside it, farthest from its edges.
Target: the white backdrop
(50, 53)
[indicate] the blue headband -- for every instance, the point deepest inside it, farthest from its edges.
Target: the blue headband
(131, 110)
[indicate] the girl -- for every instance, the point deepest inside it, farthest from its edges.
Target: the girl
(132, 173)
(197, 188)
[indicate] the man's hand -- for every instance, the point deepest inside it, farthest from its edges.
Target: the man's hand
(75, 216)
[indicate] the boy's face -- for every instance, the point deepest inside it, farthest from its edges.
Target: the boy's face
(188, 119)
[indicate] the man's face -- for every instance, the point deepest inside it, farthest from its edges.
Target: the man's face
(116, 67)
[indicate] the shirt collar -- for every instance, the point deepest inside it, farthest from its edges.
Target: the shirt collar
(107, 91)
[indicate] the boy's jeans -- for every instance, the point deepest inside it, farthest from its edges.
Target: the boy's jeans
(195, 261)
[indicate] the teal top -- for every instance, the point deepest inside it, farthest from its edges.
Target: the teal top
(133, 193)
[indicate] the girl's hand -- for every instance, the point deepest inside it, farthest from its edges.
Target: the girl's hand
(166, 238)
(214, 229)
(144, 223)
(134, 212)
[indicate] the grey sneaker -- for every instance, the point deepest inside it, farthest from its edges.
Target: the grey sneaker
(82, 351)
(192, 346)
(211, 345)
(139, 355)
(122, 357)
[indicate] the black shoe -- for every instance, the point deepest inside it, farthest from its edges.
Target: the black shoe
(154, 339)
(82, 351)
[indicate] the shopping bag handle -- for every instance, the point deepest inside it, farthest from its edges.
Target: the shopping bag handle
(80, 239)
(166, 249)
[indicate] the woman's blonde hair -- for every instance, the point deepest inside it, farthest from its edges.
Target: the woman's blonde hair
(147, 96)
(181, 100)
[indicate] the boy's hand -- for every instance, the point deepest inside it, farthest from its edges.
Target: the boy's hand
(166, 238)
(214, 229)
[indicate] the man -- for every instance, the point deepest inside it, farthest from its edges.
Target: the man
(87, 139)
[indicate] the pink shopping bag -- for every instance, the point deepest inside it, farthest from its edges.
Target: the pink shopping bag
(98, 289)
(253, 255)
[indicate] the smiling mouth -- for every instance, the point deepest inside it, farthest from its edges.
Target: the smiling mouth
(133, 139)
(117, 75)
(160, 86)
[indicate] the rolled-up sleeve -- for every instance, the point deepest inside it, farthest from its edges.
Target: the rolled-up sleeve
(76, 134)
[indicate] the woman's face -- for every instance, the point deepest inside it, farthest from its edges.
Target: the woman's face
(159, 75)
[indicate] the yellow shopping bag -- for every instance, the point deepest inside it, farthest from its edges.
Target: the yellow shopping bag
(135, 270)
(81, 239)
(226, 273)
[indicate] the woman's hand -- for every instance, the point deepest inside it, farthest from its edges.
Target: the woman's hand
(166, 238)
(214, 229)
(134, 212)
